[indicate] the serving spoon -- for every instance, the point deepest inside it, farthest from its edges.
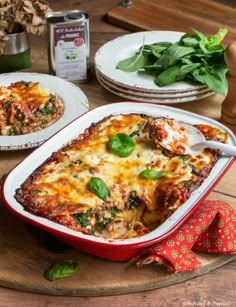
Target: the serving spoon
(182, 138)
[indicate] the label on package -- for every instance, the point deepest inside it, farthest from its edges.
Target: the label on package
(70, 52)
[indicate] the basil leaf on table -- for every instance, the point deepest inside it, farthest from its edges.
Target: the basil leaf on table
(152, 174)
(61, 269)
(121, 144)
(99, 187)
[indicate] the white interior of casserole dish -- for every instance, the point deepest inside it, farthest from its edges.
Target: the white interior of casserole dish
(18, 175)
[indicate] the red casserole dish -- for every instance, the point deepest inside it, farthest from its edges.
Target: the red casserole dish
(116, 249)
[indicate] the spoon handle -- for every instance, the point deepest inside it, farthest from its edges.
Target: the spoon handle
(229, 149)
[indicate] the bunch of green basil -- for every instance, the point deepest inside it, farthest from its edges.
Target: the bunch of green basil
(195, 56)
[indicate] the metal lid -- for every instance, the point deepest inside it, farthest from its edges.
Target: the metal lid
(75, 16)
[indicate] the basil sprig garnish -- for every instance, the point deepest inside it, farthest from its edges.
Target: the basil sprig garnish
(152, 174)
(99, 187)
(121, 144)
(61, 269)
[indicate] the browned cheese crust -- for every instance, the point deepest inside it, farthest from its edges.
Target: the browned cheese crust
(126, 204)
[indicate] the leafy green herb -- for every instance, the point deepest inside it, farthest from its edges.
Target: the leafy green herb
(190, 165)
(133, 201)
(37, 191)
(121, 144)
(12, 131)
(19, 115)
(25, 83)
(133, 63)
(135, 132)
(195, 56)
(158, 48)
(171, 55)
(99, 187)
(193, 168)
(102, 221)
(44, 121)
(184, 158)
(78, 161)
(75, 175)
(61, 269)
(82, 218)
(7, 104)
(175, 73)
(50, 107)
(152, 174)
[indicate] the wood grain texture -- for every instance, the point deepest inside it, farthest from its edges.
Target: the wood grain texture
(216, 288)
(27, 253)
(175, 15)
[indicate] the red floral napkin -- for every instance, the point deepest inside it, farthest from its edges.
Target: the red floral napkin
(211, 228)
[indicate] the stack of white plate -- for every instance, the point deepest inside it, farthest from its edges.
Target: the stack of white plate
(138, 86)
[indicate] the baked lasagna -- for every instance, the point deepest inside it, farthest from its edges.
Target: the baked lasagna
(114, 180)
(26, 107)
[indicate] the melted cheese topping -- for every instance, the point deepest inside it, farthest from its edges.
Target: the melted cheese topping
(26, 107)
(59, 189)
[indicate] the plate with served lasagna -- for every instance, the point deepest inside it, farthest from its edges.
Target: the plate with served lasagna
(34, 106)
(105, 185)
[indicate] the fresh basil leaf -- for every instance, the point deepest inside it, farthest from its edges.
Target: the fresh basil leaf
(157, 48)
(216, 39)
(214, 82)
(61, 269)
(133, 63)
(152, 174)
(214, 77)
(189, 40)
(171, 55)
(174, 73)
(152, 67)
(211, 43)
(121, 144)
(99, 187)
(201, 36)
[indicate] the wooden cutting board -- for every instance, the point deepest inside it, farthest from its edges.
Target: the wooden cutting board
(26, 252)
(163, 15)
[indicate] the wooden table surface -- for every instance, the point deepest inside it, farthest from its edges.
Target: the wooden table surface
(216, 288)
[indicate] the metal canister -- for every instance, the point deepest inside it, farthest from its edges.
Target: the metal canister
(69, 45)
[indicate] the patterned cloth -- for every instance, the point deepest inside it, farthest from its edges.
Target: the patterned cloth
(211, 228)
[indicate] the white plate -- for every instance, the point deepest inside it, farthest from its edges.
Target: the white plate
(107, 57)
(75, 104)
(19, 174)
(135, 97)
(151, 94)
